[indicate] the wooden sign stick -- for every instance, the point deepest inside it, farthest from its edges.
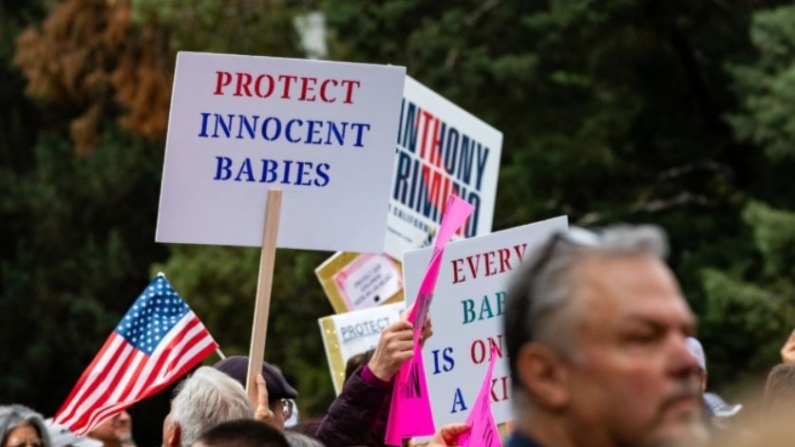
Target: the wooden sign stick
(259, 330)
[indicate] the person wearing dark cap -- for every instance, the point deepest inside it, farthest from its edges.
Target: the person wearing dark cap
(280, 393)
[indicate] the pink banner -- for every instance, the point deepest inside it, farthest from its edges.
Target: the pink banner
(483, 430)
(410, 411)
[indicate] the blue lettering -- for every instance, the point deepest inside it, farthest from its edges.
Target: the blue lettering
(226, 128)
(286, 176)
(250, 127)
(301, 172)
(339, 135)
(224, 164)
(265, 128)
(203, 133)
(361, 127)
(401, 177)
(268, 171)
(311, 132)
(288, 130)
(322, 172)
(451, 150)
(245, 168)
(458, 400)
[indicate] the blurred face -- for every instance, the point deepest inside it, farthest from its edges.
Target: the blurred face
(632, 382)
(114, 431)
(23, 436)
(282, 410)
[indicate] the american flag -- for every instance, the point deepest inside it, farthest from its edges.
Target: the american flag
(158, 340)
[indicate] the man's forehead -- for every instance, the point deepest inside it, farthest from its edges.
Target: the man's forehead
(632, 286)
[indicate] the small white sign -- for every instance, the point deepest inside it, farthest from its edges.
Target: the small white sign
(351, 333)
(323, 132)
(441, 149)
(467, 313)
(368, 281)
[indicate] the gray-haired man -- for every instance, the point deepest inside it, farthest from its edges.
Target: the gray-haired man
(596, 327)
(204, 400)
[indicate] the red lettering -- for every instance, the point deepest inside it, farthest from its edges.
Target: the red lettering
(242, 85)
(478, 352)
(503, 381)
(426, 122)
(519, 249)
(489, 262)
(323, 87)
(496, 345)
(473, 268)
(456, 270)
(258, 84)
(505, 256)
(305, 88)
(222, 79)
(349, 94)
(287, 80)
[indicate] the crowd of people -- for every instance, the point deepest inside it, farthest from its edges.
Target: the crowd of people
(601, 351)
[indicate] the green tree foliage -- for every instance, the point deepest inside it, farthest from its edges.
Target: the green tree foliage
(80, 250)
(751, 303)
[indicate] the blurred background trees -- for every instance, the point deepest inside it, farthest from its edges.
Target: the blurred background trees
(667, 111)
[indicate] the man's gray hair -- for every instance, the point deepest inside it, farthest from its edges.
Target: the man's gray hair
(13, 416)
(206, 399)
(543, 286)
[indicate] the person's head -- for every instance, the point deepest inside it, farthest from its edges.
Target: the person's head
(242, 433)
(202, 401)
(301, 440)
(355, 362)
(780, 389)
(61, 436)
(595, 326)
(115, 431)
(22, 427)
(280, 392)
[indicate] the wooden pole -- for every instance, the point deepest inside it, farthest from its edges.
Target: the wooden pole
(259, 330)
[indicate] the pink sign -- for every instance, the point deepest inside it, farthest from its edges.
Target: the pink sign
(483, 429)
(410, 411)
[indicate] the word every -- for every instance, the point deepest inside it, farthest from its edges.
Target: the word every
(490, 263)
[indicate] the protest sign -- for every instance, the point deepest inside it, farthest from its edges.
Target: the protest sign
(410, 408)
(441, 150)
(321, 131)
(351, 333)
(359, 281)
(470, 293)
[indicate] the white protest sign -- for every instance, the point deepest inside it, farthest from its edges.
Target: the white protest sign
(368, 281)
(441, 150)
(351, 333)
(467, 316)
(321, 131)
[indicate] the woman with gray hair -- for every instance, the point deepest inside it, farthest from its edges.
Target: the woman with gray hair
(22, 427)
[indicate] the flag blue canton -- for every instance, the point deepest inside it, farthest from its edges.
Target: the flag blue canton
(152, 315)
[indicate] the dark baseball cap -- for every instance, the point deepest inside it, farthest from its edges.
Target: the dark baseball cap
(236, 367)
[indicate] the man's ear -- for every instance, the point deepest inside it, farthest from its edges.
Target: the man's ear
(174, 435)
(544, 375)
